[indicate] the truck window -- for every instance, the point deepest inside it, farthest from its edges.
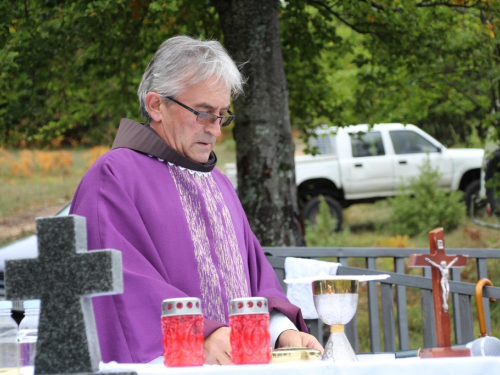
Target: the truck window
(367, 144)
(324, 143)
(409, 142)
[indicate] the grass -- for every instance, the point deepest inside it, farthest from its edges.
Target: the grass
(33, 184)
(367, 225)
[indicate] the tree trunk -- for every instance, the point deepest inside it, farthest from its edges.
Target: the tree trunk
(264, 145)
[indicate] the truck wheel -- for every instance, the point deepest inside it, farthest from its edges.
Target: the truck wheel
(311, 209)
(472, 190)
(492, 169)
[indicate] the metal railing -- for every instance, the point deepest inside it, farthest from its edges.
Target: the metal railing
(391, 295)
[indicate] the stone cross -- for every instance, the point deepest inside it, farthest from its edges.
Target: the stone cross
(440, 263)
(64, 277)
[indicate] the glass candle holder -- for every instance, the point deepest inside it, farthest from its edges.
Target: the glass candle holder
(182, 326)
(250, 338)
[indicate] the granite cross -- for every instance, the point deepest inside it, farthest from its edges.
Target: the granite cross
(64, 277)
(440, 263)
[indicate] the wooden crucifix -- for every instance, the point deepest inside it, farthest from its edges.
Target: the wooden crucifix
(441, 264)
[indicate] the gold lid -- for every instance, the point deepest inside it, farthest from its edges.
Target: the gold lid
(292, 354)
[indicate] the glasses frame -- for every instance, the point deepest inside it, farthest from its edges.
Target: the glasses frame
(223, 120)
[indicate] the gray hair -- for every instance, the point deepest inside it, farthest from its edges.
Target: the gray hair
(182, 61)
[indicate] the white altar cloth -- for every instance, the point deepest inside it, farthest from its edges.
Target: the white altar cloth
(404, 366)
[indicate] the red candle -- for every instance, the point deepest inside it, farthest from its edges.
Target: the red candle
(182, 326)
(250, 338)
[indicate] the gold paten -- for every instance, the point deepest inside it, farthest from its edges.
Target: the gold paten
(336, 328)
(292, 354)
(334, 286)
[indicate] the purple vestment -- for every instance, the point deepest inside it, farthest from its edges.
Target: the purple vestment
(182, 233)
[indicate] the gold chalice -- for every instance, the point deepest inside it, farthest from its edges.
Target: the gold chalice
(336, 302)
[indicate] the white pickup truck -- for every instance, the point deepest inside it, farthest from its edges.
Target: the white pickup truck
(358, 164)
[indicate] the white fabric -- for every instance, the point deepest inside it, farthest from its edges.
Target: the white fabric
(278, 323)
(406, 366)
(301, 294)
(156, 361)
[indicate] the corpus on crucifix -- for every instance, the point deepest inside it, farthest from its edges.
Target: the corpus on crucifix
(445, 274)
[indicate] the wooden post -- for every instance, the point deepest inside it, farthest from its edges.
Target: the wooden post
(440, 263)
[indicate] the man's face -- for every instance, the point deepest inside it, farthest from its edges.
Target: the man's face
(180, 128)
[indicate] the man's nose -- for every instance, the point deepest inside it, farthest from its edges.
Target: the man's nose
(214, 129)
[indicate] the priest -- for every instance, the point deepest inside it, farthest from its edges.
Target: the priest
(158, 198)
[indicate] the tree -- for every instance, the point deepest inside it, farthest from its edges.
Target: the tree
(76, 66)
(265, 149)
(59, 76)
(70, 69)
(388, 61)
(422, 204)
(431, 63)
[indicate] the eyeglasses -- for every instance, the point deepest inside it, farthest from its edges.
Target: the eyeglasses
(206, 118)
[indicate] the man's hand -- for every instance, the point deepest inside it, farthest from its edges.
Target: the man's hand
(218, 347)
(298, 339)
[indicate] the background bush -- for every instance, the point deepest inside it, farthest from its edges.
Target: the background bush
(322, 234)
(423, 206)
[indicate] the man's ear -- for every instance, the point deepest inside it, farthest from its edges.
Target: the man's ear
(153, 101)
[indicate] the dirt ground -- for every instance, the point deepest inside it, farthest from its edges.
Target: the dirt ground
(13, 227)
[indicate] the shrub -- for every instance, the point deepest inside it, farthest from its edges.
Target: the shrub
(65, 159)
(24, 166)
(46, 161)
(395, 241)
(424, 206)
(323, 234)
(50, 162)
(93, 154)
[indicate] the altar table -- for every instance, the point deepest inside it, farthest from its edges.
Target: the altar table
(403, 366)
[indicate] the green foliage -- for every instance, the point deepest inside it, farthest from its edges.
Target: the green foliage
(423, 206)
(307, 37)
(432, 64)
(71, 69)
(323, 234)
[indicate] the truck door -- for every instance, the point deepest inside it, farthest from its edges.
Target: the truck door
(371, 170)
(411, 150)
